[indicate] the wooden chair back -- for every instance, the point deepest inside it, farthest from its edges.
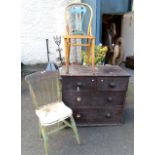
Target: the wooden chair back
(75, 13)
(44, 87)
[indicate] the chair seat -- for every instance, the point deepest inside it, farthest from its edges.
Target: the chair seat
(53, 113)
(79, 37)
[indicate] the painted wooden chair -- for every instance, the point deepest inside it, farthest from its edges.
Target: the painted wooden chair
(75, 15)
(51, 111)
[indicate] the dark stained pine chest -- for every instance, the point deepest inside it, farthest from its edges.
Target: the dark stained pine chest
(95, 98)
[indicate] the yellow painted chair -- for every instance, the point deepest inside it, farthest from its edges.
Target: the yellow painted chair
(75, 13)
(49, 108)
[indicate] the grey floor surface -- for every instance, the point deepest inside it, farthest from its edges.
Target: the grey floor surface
(106, 140)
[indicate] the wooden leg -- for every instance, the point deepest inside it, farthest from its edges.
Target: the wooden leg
(65, 44)
(66, 55)
(93, 53)
(45, 138)
(69, 41)
(40, 132)
(88, 51)
(75, 129)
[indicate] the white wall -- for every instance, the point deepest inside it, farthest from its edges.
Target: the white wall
(128, 34)
(41, 19)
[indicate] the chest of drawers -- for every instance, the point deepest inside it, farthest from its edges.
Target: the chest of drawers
(96, 98)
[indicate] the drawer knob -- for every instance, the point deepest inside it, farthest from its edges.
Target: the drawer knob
(108, 115)
(102, 80)
(112, 85)
(109, 99)
(78, 116)
(78, 99)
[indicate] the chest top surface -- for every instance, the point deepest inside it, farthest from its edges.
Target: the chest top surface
(107, 71)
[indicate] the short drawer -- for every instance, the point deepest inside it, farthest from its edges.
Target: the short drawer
(78, 83)
(93, 99)
(98, 116)
(112, 84)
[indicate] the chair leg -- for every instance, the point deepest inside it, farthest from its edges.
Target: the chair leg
(45, 138)
(68, 48)
(88, 51)
(93, 53)
(67, 53)
(40, 132)
(74, 127)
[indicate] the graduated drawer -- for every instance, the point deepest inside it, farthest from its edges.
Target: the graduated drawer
(78, 83)
(108, 115)
(112, 84)
(93, 99)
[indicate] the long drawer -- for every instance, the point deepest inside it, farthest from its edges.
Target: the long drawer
(109, 115)
(93, 99)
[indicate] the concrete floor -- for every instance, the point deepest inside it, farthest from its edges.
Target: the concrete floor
(107, 140)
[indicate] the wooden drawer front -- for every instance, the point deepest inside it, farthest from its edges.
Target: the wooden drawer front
(80, 99)
(78, 83)
(112, 84)
(97, 116)
(110, 98)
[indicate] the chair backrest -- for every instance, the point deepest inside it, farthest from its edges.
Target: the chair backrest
(75, 14)
(44, 87)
